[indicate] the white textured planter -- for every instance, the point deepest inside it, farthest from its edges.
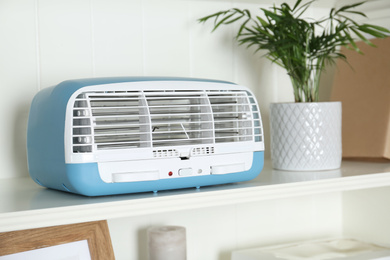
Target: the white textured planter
(306, 136)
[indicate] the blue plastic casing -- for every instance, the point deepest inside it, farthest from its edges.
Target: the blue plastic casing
(46, 151)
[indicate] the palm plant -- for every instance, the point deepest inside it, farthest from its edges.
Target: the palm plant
(301, 46)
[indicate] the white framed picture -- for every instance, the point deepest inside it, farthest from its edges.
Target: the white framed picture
(71, 251)
(84, 241)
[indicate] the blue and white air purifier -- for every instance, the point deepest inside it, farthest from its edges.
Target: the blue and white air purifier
(107, 136)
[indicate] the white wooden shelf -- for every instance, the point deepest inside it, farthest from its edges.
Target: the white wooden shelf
(25, 205)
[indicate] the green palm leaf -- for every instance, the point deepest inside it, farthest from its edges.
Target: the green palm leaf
(291, 42)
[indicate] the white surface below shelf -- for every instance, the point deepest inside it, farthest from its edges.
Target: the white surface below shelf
(347, 249)
(26, 205)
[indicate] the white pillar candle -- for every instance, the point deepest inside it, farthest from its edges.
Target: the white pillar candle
(167, 243)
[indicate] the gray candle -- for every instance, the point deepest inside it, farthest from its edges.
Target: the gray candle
(167, 243)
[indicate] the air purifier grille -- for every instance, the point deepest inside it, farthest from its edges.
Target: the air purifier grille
(105, 120)
(179, 118)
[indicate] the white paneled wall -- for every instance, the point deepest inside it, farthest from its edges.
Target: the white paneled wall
(47, 41)
(118, 43)
(64, 40)
(18, 82)
(366, 215)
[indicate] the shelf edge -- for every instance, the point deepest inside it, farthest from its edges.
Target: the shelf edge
(154, 205)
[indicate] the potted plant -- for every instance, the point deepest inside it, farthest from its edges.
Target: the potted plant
(305, 135)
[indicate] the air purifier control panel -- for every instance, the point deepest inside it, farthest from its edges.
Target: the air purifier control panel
(185, 172)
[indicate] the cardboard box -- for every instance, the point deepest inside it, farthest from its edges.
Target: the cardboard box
(363, 87)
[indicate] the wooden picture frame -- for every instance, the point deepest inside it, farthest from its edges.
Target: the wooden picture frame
(96, 233)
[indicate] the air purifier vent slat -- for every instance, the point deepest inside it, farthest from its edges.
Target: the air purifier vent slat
(117, 146)
(173, 142)
(178, 130)
(114, 103)
(114, 130)
(116, 139)
(115, 121)
(166, 98)
(174, 112)
(151, 107)
(113, 97)
(119, 117)
(123, 144)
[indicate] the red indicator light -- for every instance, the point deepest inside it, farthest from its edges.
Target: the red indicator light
(170, 173)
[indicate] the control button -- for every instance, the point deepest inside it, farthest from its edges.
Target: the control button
(228, 168)
(185, 172)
